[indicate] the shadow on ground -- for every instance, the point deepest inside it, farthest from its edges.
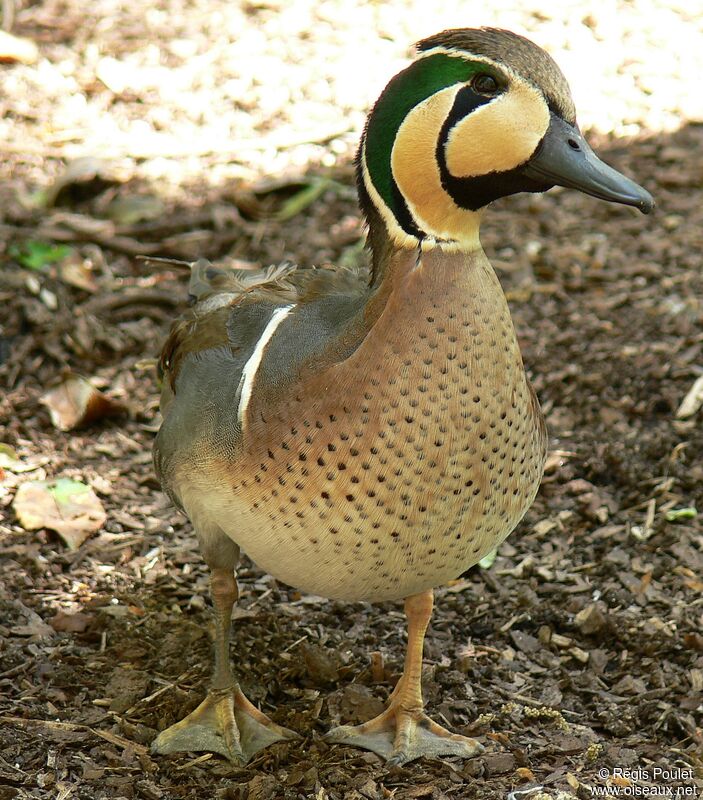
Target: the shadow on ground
(579, 650)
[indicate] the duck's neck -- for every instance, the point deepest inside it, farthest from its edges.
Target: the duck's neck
(440, 313)
(390, 257)
(456, 289)
(440, 276)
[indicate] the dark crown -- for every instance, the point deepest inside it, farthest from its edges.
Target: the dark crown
(515, 52)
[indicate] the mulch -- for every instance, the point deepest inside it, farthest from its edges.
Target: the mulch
(577, 653)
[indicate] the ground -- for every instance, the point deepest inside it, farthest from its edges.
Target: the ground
(228, 130)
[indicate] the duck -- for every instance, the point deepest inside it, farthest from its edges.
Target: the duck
(372, 439)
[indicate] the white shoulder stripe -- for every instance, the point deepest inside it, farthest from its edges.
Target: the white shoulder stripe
(246, 384)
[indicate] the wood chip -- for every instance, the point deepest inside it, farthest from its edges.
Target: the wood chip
(693, 400)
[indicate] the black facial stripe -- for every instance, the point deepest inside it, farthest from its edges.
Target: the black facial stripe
(402, 214)
(476, 192)
(466, 101)
(400, 209)
(479, 191)
(469, 193)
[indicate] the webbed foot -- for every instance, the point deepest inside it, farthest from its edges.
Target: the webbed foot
(400, 736)
(225, 723)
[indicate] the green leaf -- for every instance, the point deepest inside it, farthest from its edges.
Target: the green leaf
(37, 255)
(302, 199)
(675, 514)
(487, 561)
(65, 490)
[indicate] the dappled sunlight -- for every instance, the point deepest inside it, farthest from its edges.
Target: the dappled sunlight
(233, 91)
(189, 129)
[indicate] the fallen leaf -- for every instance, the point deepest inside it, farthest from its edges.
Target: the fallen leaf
(693, 641)
(10, 461)
(76, 402)
(77, 271)
(675, 514)
(134, 209)
(34, 624)
(68, 507)
(498, 763)
(353, 703)
(36, 255)
(590, 620)
(572, 780)
(71, 623)
(524, 642)
(321, 663)
(621, 781)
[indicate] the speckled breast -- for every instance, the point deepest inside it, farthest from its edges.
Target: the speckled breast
(400, 467)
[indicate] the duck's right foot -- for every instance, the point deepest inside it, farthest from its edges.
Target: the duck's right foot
(225, 723)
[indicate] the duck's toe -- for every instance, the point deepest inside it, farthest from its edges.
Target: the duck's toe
(225, 723)
(401, 736)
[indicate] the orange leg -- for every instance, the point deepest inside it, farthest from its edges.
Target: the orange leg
(225, 722)
(403, 732)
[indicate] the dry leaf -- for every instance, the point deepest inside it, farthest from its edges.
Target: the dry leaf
(77, 402)
(71, 623)
(572, 780)
(17, 49)
(525, 774)
(77, 271)
(590, 620)
(10, 461)
(693, 641)
(68, 507)
(135, 208)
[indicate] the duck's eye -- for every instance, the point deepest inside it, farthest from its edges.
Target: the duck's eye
(485, 84)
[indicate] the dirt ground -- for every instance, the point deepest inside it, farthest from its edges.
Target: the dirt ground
(226, 130)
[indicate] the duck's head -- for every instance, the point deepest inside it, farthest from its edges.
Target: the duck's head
(480, 114)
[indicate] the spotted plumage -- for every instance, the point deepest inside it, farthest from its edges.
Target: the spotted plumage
(372, 440)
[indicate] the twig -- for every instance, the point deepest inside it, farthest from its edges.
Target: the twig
(120, 244)
(49, 724)
(158, 260)
(11, 673)
(165, 688)
(129, 297)
(166, 225)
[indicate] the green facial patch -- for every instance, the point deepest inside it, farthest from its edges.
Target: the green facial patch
(419, 81)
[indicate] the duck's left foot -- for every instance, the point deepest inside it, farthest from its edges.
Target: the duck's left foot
(401, 735)
(226, 722)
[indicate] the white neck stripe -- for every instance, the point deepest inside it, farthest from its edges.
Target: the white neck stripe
(246, 384)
